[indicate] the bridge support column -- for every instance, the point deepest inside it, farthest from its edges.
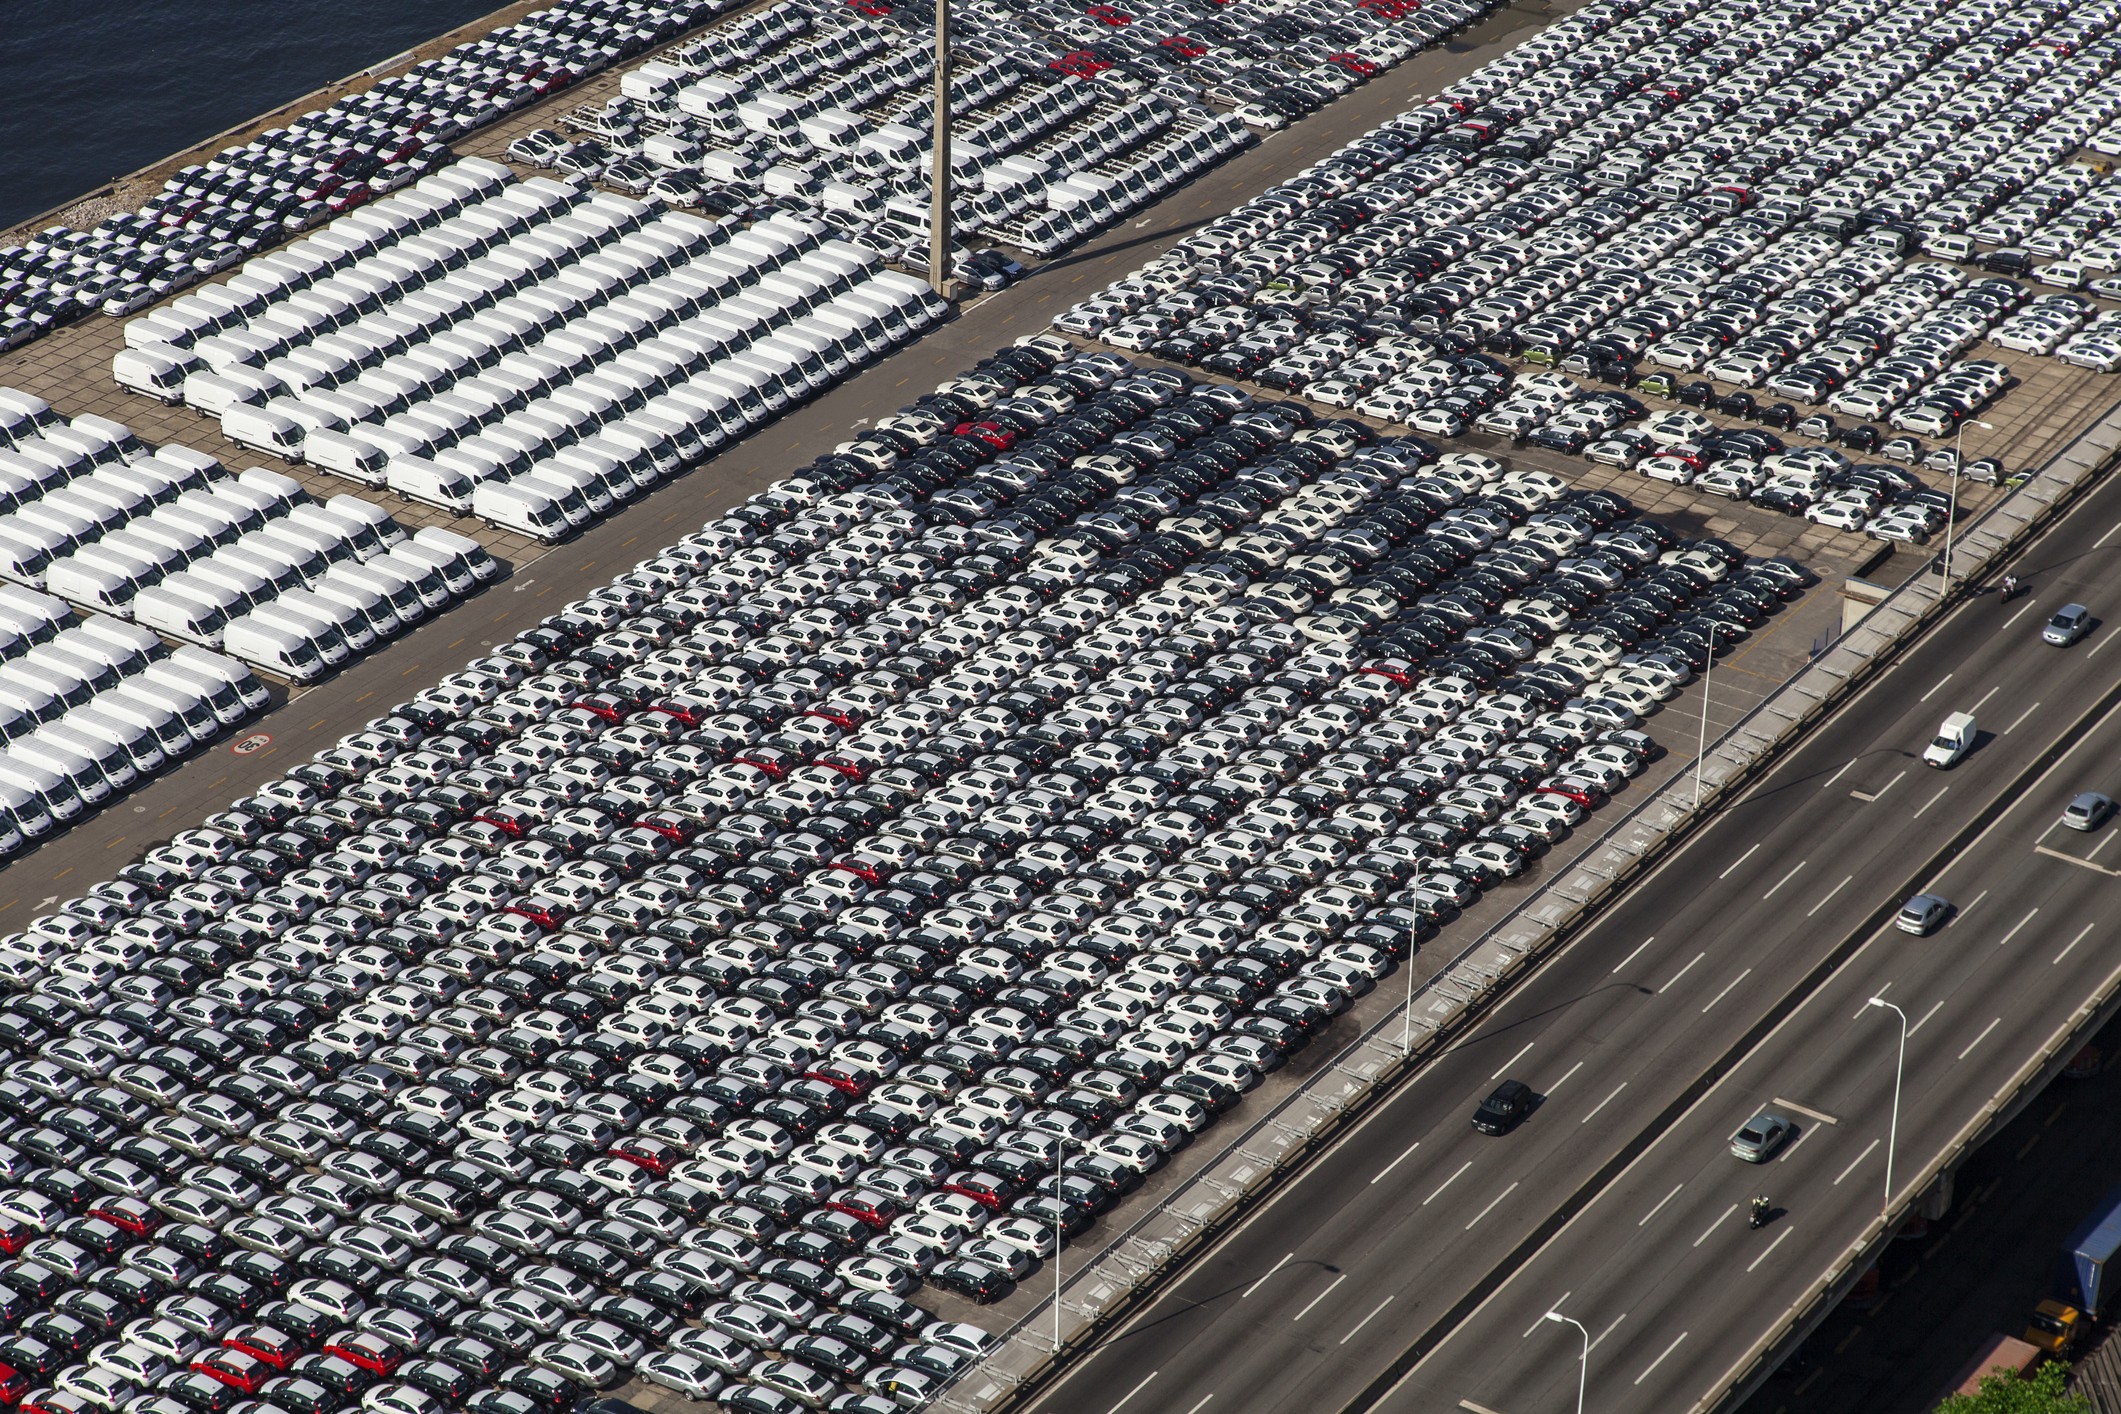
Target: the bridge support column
(1936, 1200)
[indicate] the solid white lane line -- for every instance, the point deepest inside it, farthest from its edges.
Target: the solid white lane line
(2100, 543)
(1783, 880)
(1738, 861)
(1727, 989)
(1446, 1184)
(2104, 639)
(1491, 1205)
(1931, 801)
(1499, 1070)
(1202, 1405)
(1960, 916)
(2015, 721)
(2014, 618)
(1770, 1249)
(1660, 1359)
(1935, 1007)
(1320, 1297)
(1855, 1161)
(1837, 775)
(1933, 688)
(1557, 1304)
(1708, 1231)
(1638, 949)
(1371, 1317)
(1829, 895)
(1603, 1103)
(2073, 943)
(1680, 973)
(1645, 1219)
(1992, 691)
(2015, 927)
(1795, 1144)
(1979, 1039)
(1564, 1079)
(1607, 1331)
(2103, 843)
(1264, 1275)
(1398, 1161)
(1132, 1392)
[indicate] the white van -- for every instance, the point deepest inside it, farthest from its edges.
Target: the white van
(350, 624)
(185, 705)
(188, 608)
(274, 644)
(157, 372)
(415, 572)
(431, 484)
(97, 579)
(138, 744)
(1953, 740)
(230, 688)
(483, 566)
(40, 799)
(526, 508)
(80, 764)
(391, 583)
(374, 609)
(157, 720)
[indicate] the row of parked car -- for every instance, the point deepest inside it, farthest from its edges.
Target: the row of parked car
(89, 710)
(867, 890)
(247, 564)
(530, 353)
(1718, 231)
(207, 217)
(822, 109)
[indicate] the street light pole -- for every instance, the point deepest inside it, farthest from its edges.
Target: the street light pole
(1060, 1152)
(1892, 1134)
(1952, 521)
(1701, 747)
(1583, 1374)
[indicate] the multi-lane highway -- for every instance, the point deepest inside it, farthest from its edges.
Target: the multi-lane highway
(1328, 1293)
(1662, 1269)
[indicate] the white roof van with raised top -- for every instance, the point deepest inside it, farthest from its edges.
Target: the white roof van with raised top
(483, 566)
(140, 746)
(81, 764)
(232, 689)
(372, 608)
(31, 791)
(151, 715)
(431, 484)
(523, 506)
(353, 626)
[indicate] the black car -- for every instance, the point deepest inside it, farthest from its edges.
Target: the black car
(1505, 1109)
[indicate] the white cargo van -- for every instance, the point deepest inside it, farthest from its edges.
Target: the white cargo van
(350, 625)
(193, 610)
(518, 505)
(276, 643)
(373, 608)
(229, 687)
(483, 566)
(34, 793)
(80, 765)
(185, 704)
(157, 720)
(431, 484)
(131, 737)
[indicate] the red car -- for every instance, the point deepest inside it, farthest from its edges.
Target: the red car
(132, 1215)
(1393, 669)
(548, 916)
(847, 719)
(15, 1235)
(840, 1080)
(992, 433)
(511, 827)
(1590, 797)
(652, 1154)
(1106, 14)
(1183, 47)
(268, 1343)
(367, 1350)
(875, 1209)
(690, 716)
(236, 1368)
(853, 770)
(873, 874)
(668, 826)
(1355, 64)
(984, 1189)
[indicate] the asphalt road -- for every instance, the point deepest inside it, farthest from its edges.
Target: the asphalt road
(1662, 1268)
(1318, 1299)
(65, 865)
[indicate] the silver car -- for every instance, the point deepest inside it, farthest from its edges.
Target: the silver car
(1923, 914)
(2070, 623)
(2087, 810)
(1759, 1137)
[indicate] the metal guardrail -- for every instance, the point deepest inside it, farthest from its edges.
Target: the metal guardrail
(1139, 1257)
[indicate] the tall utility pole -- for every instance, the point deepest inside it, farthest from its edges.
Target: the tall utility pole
(939, 186)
